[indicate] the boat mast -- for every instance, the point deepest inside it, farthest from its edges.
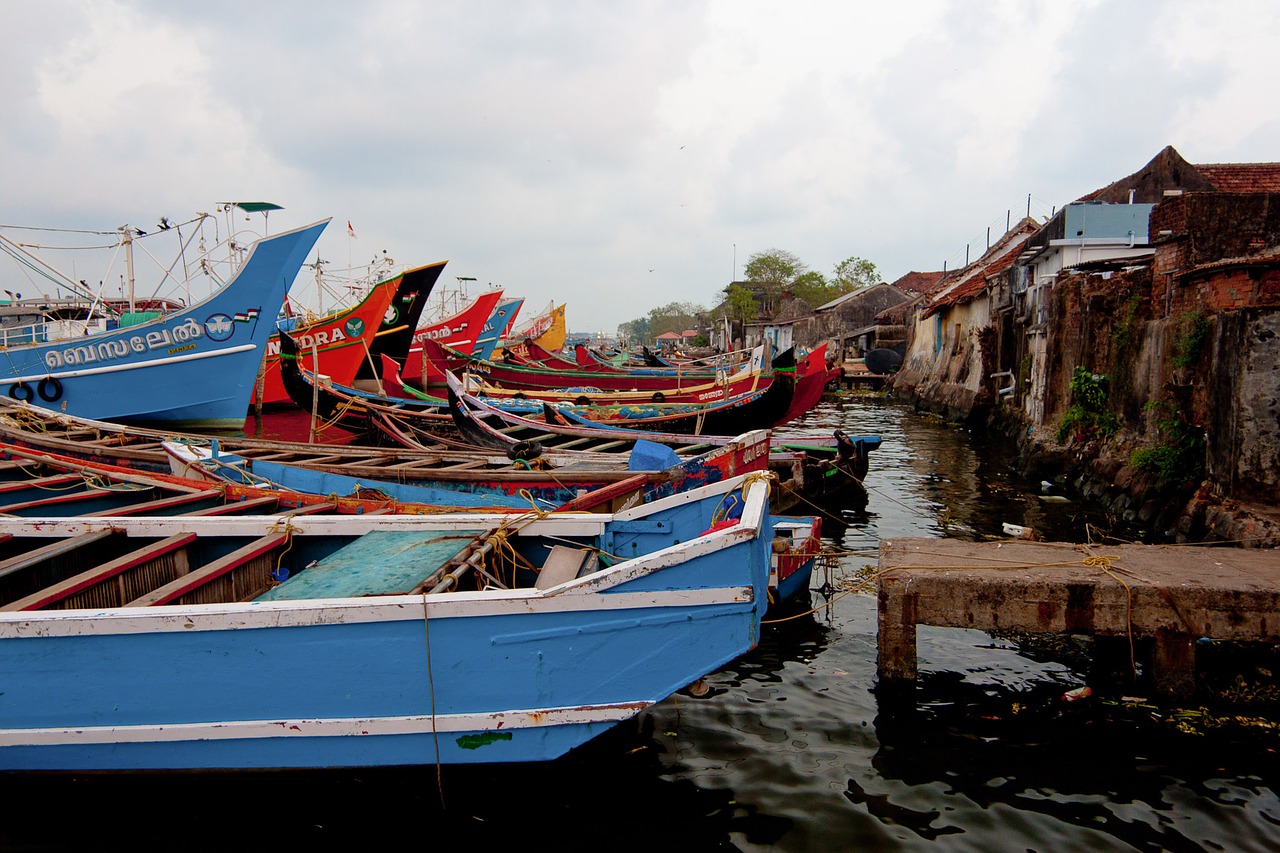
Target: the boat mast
(127, 239)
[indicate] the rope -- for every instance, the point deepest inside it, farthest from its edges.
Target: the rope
(431, 692)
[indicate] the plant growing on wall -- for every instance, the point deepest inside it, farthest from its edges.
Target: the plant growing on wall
(1122, 334)
(1193, 328)
(1087, 417)
(1177, 457)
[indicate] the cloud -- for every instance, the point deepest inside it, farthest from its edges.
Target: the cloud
(562, 150)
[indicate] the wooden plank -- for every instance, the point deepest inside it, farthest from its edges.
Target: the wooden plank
(56, 481)
(186, 584)
(313, 509)
(564, 564)
(53, 549)
(467, 466)
(65, 589)
(382, 562)
(234, 507)
(150, 507)
(65, 499)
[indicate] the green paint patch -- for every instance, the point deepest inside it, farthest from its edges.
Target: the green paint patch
(477, 741)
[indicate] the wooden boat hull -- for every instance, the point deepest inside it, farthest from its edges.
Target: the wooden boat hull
(808, 469)
(514, 376)
(497, 481)
(185, 679)
(589, 395)
(797, 544)
(440, 476)
(811, 381)
(195, 368)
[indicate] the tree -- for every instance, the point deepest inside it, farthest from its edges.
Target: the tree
(740, 304)
(772, 272)
(636, 330)
(673, 317)
(853, 273)
(814, 289)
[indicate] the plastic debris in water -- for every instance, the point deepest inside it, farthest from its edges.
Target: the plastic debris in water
(1019, 531)
(1078, 693)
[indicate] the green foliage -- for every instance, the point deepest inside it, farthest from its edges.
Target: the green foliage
(814, 289)
(774, 268)
(1193, 328)
(1178, 456)
(636, 330)
(1087, 417)
(673, 317)
(771, 272)
(740, 304)
(854, 272)
(777, 270)
(1122, 332)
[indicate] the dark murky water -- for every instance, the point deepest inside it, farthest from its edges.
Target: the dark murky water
(792, 750)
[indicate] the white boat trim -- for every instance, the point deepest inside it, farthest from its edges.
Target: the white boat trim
(349, 611)
(418, 724)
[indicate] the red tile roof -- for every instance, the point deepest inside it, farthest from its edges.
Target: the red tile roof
(917, 282)
(969, 283)
(1242, 177)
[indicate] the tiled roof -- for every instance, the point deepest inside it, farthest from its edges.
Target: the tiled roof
(971, 282)
(917, 282)
(1242, 177)
(1169, 171)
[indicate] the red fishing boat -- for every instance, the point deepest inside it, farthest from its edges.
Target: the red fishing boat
(458, 331)
(514, 376)
(338, 341)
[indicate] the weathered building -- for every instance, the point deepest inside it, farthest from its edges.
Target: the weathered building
(1160, 295)
(950, 361)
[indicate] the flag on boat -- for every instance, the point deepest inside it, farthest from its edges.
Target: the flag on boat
(351, 230)
(246, 316)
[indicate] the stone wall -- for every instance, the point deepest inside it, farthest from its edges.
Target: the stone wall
(1229, 393)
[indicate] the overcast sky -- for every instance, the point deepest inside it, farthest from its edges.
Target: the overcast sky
(620, 156)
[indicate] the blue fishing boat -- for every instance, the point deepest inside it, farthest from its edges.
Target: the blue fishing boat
(193, 367)
(202, 643)
(499, 321)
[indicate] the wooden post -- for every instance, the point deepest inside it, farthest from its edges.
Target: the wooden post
(315, 389)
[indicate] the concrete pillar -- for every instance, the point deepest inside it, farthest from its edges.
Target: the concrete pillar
(896, 645)
(1173, 664)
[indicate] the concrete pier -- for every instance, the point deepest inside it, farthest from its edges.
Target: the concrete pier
(855, 375)
(1173, 595)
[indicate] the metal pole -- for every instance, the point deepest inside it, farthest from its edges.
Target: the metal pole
(128, 260)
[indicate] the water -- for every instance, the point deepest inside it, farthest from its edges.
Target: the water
(792, 750)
